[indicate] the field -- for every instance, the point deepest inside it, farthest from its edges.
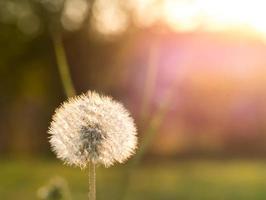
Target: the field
(189, 180)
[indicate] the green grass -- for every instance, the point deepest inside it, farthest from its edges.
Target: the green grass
(191, 180)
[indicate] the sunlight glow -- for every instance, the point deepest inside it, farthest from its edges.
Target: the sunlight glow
(238, 16)
(216, 15)
(109, 18)
(181, 15)
(146, 13)
(74, 14)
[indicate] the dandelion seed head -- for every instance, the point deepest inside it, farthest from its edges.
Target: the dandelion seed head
(92, 128)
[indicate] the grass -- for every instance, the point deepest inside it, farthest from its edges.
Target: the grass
(190, 180)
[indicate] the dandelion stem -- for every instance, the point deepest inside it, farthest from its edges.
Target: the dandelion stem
(92, 181)
(63, 65)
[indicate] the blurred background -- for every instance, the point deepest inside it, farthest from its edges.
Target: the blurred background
(191, 72)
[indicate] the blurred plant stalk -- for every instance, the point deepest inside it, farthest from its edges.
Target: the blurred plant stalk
(62, 65)
(149, 87)
(150, 82)
(155, 122)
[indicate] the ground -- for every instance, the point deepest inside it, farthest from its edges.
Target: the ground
(186, 180)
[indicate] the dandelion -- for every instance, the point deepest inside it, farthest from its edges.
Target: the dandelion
(91, 129)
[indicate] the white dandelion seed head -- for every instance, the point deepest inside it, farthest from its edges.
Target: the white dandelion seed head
(92, 128)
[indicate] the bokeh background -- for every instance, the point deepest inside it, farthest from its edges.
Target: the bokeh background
(191, 72)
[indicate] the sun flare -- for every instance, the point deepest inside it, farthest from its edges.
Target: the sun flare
(216, 15)
(237, 16)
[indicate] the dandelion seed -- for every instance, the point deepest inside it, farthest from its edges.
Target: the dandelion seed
(92, 129)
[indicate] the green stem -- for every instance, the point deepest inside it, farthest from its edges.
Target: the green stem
(92, 181)
(63, 65)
